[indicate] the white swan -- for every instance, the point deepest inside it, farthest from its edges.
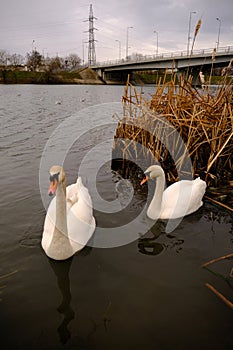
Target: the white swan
(181, 198)
(69, 223)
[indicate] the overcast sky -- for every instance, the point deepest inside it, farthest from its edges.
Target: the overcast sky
(59, 26)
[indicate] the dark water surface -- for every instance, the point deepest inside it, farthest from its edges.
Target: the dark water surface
(147, 294)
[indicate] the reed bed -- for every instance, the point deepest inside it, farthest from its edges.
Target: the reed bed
(178, 115)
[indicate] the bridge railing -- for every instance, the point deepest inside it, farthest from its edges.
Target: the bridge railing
(166, 55)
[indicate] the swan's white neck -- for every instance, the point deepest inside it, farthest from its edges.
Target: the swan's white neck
(155, 206)
(61, 217)
(60, 243)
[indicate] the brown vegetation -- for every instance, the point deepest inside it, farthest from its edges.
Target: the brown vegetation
(203, 119)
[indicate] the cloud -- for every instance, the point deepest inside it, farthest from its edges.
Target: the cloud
(62, 26)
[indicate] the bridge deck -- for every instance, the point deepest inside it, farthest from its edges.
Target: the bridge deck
(172, 60)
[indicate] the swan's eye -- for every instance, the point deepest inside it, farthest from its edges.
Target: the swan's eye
(54, 177)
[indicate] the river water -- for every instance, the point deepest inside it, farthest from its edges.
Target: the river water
(143, 288)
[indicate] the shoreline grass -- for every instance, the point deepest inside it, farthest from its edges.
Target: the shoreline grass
(202, 118)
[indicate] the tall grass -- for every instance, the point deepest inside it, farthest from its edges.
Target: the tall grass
(202, 118)
(197, 28)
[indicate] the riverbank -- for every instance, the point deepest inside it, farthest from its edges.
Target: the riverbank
(81, 76)
(87, 76)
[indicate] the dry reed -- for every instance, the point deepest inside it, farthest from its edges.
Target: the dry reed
(204, 121)
(197, 28)
(220, 295)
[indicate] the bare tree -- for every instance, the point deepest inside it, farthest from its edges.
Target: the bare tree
(3, 57)
(16, 59)
(135, 56)
(73, 61)
(34, 60)
(55, 64)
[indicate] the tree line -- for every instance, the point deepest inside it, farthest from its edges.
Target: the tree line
(35, 61)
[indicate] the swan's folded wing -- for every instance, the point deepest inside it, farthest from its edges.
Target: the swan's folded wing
(198, 191)
(183, 198)
(72, 191)
(72, 194)
(79, 231)
(80, 220)
(82, 209)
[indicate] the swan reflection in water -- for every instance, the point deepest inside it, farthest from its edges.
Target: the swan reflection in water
(61, 270)
(148, 243)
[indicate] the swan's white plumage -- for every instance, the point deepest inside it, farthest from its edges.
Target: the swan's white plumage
(179, 199)
(80, 223)
(182, 198)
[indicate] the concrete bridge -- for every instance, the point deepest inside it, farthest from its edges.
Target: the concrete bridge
(201, 60)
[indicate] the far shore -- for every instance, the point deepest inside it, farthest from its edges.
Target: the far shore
(85, 76)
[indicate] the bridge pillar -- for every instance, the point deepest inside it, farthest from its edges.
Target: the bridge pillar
(197, 78)
(118, 77)
(100, 72)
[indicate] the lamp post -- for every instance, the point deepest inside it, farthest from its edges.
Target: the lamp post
(43, 50)
(33, 43)
(157, 42)
(33, 55)
(43, 53)
(83, 42)
(119, 49)
(219, 28)
(127, 41)
(190, 18)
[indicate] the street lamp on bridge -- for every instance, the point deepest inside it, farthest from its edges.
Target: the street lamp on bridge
(189, 37)
(33, 46)
(127, 41)
(219, 27)
(119, 49)
(157, 42)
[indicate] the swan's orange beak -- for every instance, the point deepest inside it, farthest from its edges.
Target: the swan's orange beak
(144, 180)
(52, 187)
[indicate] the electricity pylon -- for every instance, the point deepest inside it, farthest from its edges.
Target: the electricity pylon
(91, 41)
